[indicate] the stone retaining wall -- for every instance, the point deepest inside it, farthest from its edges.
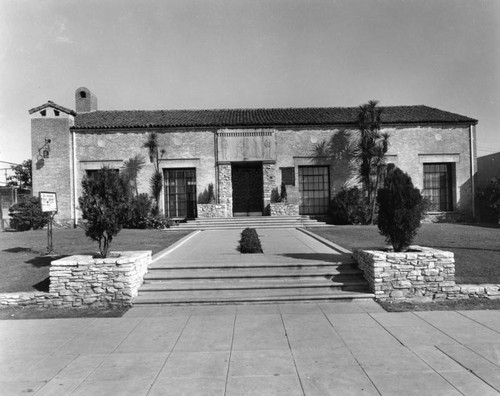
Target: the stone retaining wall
(283, 209)
(423, 274)
(79, 281)
(212, 210)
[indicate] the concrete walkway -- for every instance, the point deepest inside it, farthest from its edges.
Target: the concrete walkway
(288, 349)
(285, 245)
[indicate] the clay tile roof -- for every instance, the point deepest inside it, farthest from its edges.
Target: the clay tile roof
(53, 105)
(261, 117)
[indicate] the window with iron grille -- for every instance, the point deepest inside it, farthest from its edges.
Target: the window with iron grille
(438, 184)
(180, 193)
(314, 187)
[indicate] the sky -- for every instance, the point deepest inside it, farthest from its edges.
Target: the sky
(208, 54)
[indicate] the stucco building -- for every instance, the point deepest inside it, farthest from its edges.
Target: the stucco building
(245, 153)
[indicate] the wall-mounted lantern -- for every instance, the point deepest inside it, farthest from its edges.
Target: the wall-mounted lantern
(44, 151)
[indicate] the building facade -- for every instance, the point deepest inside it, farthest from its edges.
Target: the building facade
(246, 153)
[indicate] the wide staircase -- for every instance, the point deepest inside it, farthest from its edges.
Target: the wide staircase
(250, 279)
(250, 221)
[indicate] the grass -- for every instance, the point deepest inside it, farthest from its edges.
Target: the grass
(60, 313)
(445, 305)
(476, 246)
(25, 267)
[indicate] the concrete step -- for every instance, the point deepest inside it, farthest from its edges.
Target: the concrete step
(250, 273)
(252, 265)
(239, 298)
(253, 221)
(242, 219)
(267, 285)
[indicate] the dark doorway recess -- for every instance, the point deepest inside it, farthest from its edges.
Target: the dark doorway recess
(247, 181)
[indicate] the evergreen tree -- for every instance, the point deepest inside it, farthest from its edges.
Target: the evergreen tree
(104, 204)
(400, 209)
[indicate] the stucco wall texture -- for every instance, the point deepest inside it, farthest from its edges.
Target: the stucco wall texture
(409, 149)
(54, 173)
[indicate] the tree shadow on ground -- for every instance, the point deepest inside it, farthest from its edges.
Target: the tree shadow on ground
(43, 286)
(43, 261)
(19, 250)
(455, 247)
(484, 225)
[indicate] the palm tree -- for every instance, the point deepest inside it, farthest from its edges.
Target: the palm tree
(364, 149)
(155, 156)
(131, 169)
(369, 151)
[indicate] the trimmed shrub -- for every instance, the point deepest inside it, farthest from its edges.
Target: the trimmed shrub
(400, 209)
(489, 199)
(28, 215)
(158, 222)
(104, 204)
(138, 212)
(349, 206)
(275, 195)
(250, 242)
(283, 194)
(207, 196)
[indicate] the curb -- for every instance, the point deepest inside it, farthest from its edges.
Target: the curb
(173, 247)
(325, 241)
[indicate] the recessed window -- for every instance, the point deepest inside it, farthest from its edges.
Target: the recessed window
(438, 184)
(56, 113)
(314, 187)
(43, 113)
(83, 94)
(288, 176)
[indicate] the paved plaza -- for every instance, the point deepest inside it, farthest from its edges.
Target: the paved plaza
(285, 349)
(323, 348)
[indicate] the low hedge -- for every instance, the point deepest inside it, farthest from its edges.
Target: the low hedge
(250, 242)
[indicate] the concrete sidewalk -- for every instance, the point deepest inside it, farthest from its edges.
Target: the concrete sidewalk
(287, 349)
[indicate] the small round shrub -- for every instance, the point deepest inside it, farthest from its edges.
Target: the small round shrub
(28, 215)
(349, 206)
(400, 209)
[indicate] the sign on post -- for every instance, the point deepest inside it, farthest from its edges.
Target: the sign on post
(48, 201)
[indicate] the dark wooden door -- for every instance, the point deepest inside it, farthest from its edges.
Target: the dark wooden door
(247, 189)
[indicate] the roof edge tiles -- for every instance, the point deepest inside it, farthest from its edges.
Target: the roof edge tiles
(53, 105)
(263, 117)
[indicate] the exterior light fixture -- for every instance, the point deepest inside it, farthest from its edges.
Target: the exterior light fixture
(44, 151)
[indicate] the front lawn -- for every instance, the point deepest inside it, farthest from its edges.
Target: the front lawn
(476, 247)
(24, 267)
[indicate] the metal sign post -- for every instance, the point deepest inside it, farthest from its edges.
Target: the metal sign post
(49, 205)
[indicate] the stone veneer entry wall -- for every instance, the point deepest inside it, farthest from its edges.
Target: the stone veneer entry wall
(283, 209)
(422, 274)
(77, 281)
(212, 210)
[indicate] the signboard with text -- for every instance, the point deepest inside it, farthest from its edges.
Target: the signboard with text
(48, 201)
